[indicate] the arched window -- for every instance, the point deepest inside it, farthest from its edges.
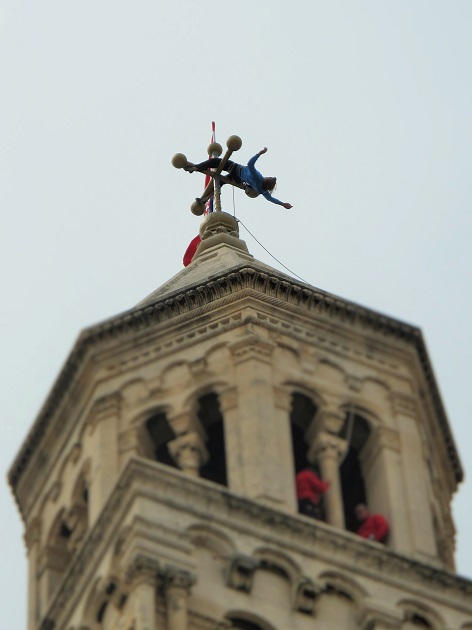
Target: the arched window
(356, 432)
(243, 624)
(302, 413)
(76, 520)
(209, 416)
(161, 434)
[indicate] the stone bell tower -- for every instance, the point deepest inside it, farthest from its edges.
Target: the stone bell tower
(157, 483)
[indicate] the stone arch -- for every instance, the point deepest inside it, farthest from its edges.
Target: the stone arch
(77, 515)
(356, 430)
(204, 428)
(208, 386)
(212, 538)
(56, 553)
(419, 616)
(212, 552)
(215, 355)
(343, 585)
(175, 374)
(378, 393)
(155, 435)
(59, 533)
(135, 390)
(278, 562)
(304, 405)
(301, 591)
(330, 372)
(339, 602)
(210, 418)
(245, 620)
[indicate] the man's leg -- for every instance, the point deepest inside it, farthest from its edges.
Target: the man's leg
(306, 507)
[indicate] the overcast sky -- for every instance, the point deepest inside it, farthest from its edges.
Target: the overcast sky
(365, 107)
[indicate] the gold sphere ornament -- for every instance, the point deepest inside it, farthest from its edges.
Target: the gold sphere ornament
(215, 147)
(179, 160)
(234, 143)
(197, 208)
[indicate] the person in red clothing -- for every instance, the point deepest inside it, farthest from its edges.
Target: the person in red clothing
(310, 489)
(373, 526)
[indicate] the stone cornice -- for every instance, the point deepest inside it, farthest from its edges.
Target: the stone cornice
(285, 531)
(228, 286)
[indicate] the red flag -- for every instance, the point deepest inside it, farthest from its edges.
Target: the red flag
(192, 248)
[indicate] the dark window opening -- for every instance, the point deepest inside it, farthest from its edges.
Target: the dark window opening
(101, 611)
(161, 434)
(274, 568)
(301, 416)
(356, 431)
(243, 624)
(64, 531)
(210, 418)
(419, 621)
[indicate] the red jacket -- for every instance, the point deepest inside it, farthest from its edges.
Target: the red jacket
(310, 486)
(374, 527)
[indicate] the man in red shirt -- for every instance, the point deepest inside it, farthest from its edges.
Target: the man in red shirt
(310, 489)
(373, 526)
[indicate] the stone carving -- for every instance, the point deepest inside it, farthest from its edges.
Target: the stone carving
(142, 569)
(189, 452)
(174, 577)
(240, 572)
(305, 595)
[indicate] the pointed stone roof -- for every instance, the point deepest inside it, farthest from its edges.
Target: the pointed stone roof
(220, 251)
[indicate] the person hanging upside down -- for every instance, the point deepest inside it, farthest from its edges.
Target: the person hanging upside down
(254, 183)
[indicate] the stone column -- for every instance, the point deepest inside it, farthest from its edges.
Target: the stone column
(177, 585)
(283, 435)
(32, 540)
(261, 470)
(327, 450)
(416, 507)
(228, 400)
(143, 575)
(382, 469)
(189, 451)
(104, 420)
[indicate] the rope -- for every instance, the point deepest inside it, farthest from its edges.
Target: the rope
(265, 248)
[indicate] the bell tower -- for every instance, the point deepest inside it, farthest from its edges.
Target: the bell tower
(157, 485)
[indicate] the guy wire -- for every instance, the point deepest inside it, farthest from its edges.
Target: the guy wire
(264, 248)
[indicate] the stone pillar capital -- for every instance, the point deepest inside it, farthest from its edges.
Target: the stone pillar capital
(176, 578)
(330, 418)
(177, 584)
(327, 446)
(143, 569)
(189, 452)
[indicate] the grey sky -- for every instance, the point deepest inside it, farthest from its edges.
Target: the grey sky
(364, 107)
